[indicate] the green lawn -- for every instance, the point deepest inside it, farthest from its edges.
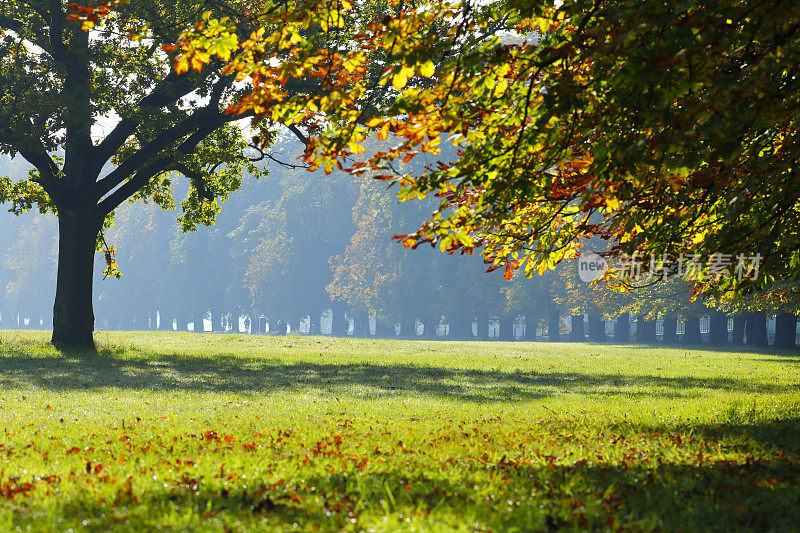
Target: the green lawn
(227, 432)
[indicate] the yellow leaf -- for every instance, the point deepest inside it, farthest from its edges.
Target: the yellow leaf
(399, 81)
(612, 203)
(200, 58)
(182, 66)
(542, 268)
(373, 122)
(427, 69)
(384, 132)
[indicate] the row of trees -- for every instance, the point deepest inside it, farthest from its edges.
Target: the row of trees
(298, 244)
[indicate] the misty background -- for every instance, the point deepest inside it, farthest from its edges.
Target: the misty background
(292, 244)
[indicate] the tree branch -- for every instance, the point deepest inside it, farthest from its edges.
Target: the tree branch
(197, 180)
(139, 180)
(297, 133)
(41, 161)
(12, 24)
(201, 118)
(169, 90)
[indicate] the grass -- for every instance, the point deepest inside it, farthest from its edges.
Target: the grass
(235, 433)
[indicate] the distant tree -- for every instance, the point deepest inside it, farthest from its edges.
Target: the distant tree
(287, 243)
(32, 260)
(374, 276)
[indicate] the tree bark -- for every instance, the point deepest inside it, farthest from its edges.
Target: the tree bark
(645, 331)
(670, 330)
(597, 328)
(691, 334)
(506, 327)
(622, 329)
(785, 331)
(73, 315)
(738, 330)
(718, 329)
(577, 334)
(756, 329)
(554, 326)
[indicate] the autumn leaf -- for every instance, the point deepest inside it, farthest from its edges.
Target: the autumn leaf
(508, 273)
(125, 493)
(384, 132)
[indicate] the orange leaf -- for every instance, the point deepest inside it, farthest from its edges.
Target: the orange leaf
(508, 273)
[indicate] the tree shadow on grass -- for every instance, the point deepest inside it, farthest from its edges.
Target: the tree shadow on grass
(784, 360)
(253, 375)
(711, 496)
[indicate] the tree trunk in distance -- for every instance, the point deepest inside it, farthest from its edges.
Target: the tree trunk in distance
(645, 331)
(531, 321)
(756, 329)
(597, 328)
(73, 315)
(577, 334)
(384, 331)
(507, 327)
(785, 331)
(460, 328)
(718, 329)
(554, 326)
(691, 334)
(408, 329)
(622, 329)
(483, 326)
(670, 330)
(738, 330)
(431, 325)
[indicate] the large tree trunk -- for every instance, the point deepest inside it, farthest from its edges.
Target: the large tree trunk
(670, 330)
(718, 329)
(738, 330)
(756, 329)
(622, 329)
(785, 331)
(691, 333)
(73, 316)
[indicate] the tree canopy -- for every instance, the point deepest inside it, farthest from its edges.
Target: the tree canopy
(662, 127)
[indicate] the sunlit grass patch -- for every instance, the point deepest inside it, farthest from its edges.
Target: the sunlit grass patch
(214, 431)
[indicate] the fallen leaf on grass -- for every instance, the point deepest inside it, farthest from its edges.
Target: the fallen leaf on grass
(125, 493)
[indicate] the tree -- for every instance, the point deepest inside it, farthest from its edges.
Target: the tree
(374, 276)
(666, 128)
(66, 82)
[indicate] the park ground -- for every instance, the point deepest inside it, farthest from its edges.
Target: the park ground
(235, 433)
